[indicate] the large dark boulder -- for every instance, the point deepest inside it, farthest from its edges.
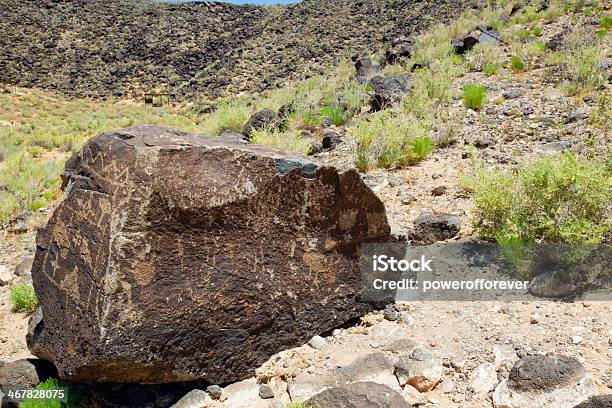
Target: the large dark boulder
(543, 373)
(177, 257)
(358, 395)
(388, 90)
(262, 119)
(25, 373)
(599, 401)
(480, 35)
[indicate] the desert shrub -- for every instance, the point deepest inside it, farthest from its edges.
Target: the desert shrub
(554, 199)
(580, 68)
(286, 140)
(73, 398)
(23, 298)
(517, 63)
(229, 116)
(528, 15)
(390, 141)
(537, 31)
(483, 55)
(606, 22)
(601, 33)
(354, 96)
(474, 96)
(335, 113)
(491, 69)
(23, 180)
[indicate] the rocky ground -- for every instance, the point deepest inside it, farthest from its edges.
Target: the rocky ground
(125, 48)
(466, 348)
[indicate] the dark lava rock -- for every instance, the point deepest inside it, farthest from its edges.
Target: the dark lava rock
(438, 191)
(358, 395)
(430, 228)
(483, 144)
(512, 94)
(265, 392)
(365, 67)
(388, 90)
(544, 373)
(157, 264)
(481, 35)
(262, 119)
(400, 49)
(25, 373)
(331, 140)
(599, 401)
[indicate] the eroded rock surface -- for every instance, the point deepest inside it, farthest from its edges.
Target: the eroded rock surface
(177, 257)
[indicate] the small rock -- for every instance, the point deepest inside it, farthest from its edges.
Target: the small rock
(535, 318)
(214, 391)
(317, 342)
(577, 115)
(483, 144)
(438, 191)
(483, 378)
(331, 140)
(265, 392)
(576, 340)
(407, 198)
(458, 363)
(420, 369)
(194, 399)
(24, 267)
(5, 276)
(504, 357)
(513, 94)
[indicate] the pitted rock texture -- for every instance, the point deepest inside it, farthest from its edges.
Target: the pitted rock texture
(177, 257)
(97, 48)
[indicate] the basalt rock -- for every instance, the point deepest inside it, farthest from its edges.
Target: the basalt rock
(176, 257)
(262, 119)
(388, 90)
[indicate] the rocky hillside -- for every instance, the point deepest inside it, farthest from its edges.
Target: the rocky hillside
(98, 48)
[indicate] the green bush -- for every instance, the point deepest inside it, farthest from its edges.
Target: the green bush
(537, 31)
(336, 114)
(286, 140)
(581, 68)
(227, 117)
(23, 298)
(490, 69)
(606, 22)
(517, 63)
(560, 199)
(474, 96)
(390, 141)
(73, 398)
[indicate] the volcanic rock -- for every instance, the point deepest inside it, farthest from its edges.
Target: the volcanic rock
(358, 395)
(388, 90)
(177, 257)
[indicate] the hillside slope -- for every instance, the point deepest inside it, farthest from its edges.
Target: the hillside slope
(98, 48)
